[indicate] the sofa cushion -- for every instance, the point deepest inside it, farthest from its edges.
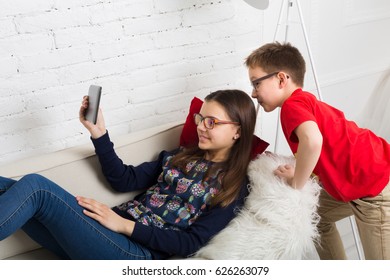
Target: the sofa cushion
(189, 136)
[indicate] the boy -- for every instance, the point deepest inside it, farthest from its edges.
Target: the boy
(351, 163)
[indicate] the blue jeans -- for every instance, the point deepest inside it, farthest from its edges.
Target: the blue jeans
(52, 217)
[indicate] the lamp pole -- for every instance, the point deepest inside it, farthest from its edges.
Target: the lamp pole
(289, 4)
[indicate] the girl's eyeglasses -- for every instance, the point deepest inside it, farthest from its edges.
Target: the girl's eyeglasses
(210, 122)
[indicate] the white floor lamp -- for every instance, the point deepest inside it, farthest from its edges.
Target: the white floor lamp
(262, 5)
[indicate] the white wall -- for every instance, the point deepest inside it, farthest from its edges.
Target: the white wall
(150, 56)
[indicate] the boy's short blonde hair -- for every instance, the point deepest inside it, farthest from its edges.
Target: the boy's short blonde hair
(274, 57)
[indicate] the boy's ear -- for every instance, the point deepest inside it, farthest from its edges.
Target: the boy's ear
(282, 77)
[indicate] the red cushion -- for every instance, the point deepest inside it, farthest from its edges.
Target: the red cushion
(258, 146)
(189, 135)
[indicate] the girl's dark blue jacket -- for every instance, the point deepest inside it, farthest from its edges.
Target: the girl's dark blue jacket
(163, 243)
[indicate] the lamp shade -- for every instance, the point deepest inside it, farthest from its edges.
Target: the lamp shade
(258, 4)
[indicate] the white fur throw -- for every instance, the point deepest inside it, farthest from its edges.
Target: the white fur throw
(277, 222)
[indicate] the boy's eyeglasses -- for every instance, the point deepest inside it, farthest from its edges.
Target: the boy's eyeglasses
(210, 122)
(255, 83)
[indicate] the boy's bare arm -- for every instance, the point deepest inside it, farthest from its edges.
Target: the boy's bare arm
(309, 150)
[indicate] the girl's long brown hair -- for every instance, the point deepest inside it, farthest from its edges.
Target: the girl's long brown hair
(240, 108)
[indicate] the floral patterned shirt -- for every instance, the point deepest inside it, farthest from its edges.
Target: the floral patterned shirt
(178, 198)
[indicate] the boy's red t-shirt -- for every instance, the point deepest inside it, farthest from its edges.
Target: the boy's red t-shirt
(354, 162)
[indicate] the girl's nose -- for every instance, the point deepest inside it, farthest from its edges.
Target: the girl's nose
(201, 126)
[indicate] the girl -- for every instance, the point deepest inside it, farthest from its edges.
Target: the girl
(190, 194)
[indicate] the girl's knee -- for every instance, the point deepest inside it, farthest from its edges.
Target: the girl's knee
(35, 181)
(32, 178)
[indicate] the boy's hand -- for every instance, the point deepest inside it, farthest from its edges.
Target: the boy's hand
(97, 130)
(285, 172)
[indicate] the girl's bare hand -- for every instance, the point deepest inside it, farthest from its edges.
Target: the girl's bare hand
(105, 216)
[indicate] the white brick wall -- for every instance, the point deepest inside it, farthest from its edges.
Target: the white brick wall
(150, 56)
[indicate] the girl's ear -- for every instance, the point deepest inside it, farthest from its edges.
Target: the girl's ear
(238, 134)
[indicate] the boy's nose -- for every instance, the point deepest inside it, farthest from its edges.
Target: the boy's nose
(254, 93)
